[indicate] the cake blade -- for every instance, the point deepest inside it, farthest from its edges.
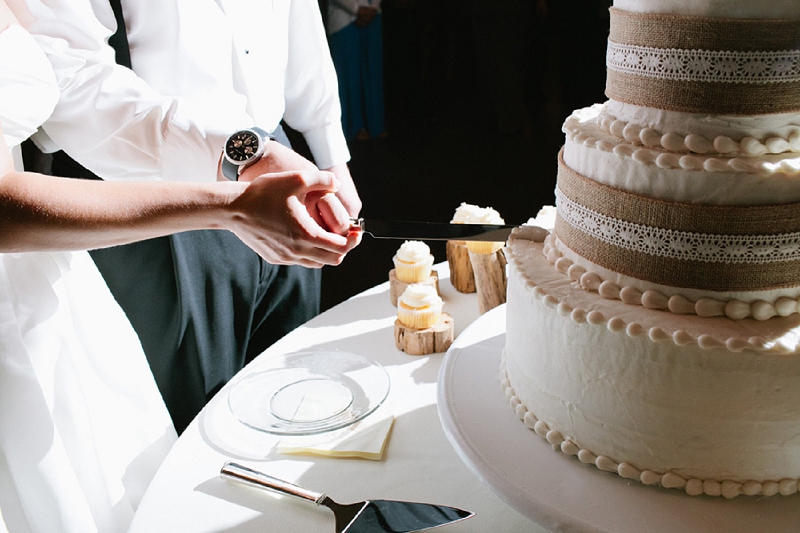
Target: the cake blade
(432, 231)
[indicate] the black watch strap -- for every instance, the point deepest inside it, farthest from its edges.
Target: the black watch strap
(229, 170)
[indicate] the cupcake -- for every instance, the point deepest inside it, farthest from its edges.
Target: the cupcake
(485, 215)
(464, 212)
(419, 307)
(413, 262)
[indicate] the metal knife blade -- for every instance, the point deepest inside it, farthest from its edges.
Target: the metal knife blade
(432, 231)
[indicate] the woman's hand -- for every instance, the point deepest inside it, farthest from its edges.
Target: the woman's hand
(331, 213)
(273, 216)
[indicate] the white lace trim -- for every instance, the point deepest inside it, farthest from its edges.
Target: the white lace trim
(681, 245)
(704, 65)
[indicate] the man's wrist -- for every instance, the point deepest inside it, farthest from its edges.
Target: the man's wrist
(242, 149)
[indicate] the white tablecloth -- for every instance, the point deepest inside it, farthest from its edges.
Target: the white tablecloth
(188, 495)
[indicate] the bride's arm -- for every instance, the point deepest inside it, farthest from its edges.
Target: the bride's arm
(269, 214)
(7, 18)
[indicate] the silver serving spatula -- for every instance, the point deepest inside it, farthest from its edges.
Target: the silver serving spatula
(371, 516)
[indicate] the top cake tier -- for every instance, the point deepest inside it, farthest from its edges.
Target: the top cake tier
(709, 68)
(749, 9)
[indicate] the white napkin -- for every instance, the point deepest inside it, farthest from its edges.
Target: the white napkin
(366, 439)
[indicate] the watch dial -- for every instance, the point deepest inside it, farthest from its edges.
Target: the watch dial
(242, 146)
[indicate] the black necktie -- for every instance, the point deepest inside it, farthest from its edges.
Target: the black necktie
(119, 41)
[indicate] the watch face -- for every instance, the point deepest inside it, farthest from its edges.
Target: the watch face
(243, 146)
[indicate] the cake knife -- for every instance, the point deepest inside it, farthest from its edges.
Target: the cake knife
(431, 231)
(370, 516)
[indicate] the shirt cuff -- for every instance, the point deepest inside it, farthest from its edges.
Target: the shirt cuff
(351, 6)
(191, 156)
(328, 146)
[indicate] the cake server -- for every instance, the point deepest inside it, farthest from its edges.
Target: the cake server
(371, 516)
(432, 231)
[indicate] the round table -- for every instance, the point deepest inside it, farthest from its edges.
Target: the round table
(419, 464)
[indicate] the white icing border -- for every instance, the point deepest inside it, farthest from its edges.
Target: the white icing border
(653, 299)
(693, 487)
(788, 344)
(651, 151)
(749, 145)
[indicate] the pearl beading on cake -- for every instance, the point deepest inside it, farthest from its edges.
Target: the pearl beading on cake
(652, 299)
(695, 143)
(651, 151)
(635, 297)
(693, 487)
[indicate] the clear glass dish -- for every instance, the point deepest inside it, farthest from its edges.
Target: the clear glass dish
(307, 393)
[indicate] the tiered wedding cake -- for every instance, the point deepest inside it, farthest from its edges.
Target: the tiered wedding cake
(654, 332)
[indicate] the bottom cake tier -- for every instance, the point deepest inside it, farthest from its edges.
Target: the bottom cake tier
(707, 405)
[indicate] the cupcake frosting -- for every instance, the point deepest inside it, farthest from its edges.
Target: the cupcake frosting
(413, 252)
(472, 214)
(464, 212)
(420, 297)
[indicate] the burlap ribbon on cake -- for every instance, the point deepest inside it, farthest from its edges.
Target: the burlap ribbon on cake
(709, 247)
(704, 65)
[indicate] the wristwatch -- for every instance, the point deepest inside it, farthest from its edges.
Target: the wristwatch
(243, 148)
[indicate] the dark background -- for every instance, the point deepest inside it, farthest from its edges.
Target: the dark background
(444, 146)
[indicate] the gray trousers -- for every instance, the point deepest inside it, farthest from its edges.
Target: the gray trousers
(203, 305)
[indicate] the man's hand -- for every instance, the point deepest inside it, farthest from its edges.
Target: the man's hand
(347, 192)
(365, 15)
(271, 216)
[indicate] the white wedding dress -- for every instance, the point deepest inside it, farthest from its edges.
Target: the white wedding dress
(83, 427)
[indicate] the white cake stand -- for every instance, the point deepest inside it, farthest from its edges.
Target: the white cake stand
(557, 491)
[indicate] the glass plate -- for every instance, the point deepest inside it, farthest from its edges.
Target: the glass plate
(306, 393)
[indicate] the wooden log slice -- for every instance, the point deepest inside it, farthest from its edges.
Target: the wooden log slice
(490, 279)
(435, 339)
(461, 275)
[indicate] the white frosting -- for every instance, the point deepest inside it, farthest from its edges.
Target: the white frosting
(464, 212)
(545, 218)
(681, 177)
(472, 214)
(418, 296)
(664, 398)
(715, 8)
(413, 252)
(701, 133)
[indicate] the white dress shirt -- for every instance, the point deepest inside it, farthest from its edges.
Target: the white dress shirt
(83, 427)
(204, 68)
